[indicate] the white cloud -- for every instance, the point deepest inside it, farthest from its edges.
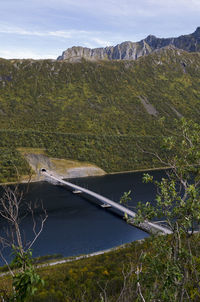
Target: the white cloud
(24, 54)
(102, 42)
(95, 38)
(19, 31)
(68, 33)
(57, 33)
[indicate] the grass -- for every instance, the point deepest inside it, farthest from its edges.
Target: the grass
(26, 150)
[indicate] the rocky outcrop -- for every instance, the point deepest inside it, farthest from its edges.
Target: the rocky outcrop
(148, 107)
(124, 51)
(132, 50)
(61, 167)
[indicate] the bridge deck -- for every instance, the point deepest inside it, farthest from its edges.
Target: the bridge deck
(107, 201)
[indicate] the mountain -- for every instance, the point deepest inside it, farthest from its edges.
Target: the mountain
(132, 50)
(98, 112)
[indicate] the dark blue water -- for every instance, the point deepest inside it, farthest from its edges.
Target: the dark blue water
(77, 226)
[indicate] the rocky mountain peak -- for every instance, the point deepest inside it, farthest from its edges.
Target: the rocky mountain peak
(150, 38)
(197, 32)
(133, 50)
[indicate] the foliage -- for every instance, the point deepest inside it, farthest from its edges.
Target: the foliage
(26, 281)
(13, 210)
(125, 197)
(12, 164)
(108, 152)
(93, 112)
(95, 108)
(118, 272)
(178, 203)
(178, 198)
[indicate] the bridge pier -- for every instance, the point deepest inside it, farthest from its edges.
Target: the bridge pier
(147, 226)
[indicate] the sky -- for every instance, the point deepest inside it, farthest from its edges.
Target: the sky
(42, 29)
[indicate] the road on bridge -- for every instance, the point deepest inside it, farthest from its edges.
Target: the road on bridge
(106, 201)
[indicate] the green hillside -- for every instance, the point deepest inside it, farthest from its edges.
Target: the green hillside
(114, 274)
(99, 112)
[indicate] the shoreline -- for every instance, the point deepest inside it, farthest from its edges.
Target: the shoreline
(110, 173)
(84, 256)
(139, 170)
(79, 257)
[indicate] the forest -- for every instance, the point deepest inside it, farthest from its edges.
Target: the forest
(99, 112)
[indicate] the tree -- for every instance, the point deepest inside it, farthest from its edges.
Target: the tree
(178, 195)
(172, 266)
(13, 210)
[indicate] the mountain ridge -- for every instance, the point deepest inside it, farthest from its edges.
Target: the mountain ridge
(132, 50)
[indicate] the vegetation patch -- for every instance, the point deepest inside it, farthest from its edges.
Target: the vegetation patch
(92, 111)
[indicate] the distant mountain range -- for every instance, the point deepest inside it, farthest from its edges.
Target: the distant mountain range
(133, 50)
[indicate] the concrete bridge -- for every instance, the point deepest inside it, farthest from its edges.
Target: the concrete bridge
(106, 202)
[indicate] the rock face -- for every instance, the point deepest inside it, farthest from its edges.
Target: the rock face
(132, 50)
(60, 167)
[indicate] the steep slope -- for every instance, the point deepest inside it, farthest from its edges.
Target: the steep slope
(132, 50)
(94, 111)
(98, 98)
